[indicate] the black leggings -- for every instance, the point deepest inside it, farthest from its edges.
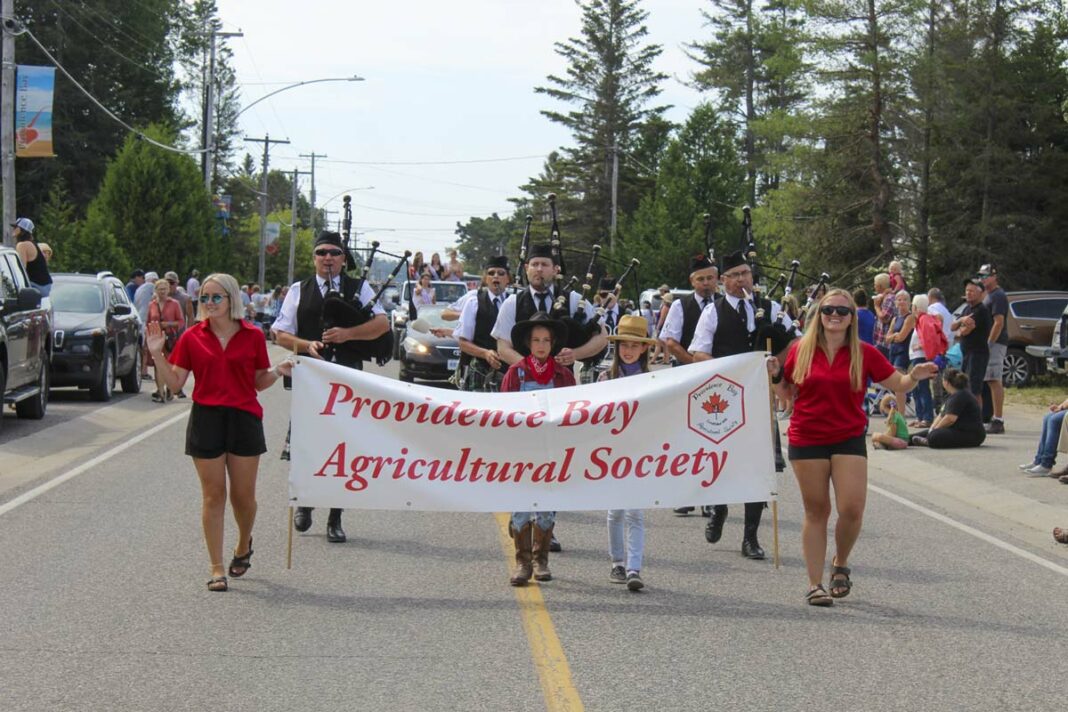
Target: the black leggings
(946, 438)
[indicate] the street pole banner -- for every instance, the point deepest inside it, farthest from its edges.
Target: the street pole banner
(35, 87)
(695, 435)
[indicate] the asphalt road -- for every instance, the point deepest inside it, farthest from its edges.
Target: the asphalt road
(956, 605)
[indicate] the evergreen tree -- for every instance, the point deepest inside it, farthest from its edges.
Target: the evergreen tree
(57, 224)
(608, 83)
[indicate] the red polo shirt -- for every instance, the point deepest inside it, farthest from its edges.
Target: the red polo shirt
(826, 409)
(223, 377)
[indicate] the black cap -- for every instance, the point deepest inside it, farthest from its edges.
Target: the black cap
(521, 332)
(734, 259)
(699, 262)
(329, 238)
(137, 273)
(542, 250)
(988, 270)
(498, 262)
(608, 284)
(973, 280)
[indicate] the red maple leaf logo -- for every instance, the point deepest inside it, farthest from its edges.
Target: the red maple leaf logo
(714, 405)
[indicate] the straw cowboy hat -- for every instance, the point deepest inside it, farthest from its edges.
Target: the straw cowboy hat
(632, 328)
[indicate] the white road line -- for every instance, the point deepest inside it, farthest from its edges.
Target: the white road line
(88, 464)
(1022, 553)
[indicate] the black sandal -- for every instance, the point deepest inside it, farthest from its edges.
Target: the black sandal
(818, 597)
(241, 562)
(840, 584)
(218, 584)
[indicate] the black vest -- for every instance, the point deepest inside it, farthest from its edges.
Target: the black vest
(732, 333)
(310, 314)
(525, 306)
(485, 318)
(691, 312)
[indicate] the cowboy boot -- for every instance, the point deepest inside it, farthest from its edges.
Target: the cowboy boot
(334, 533)
(750, 546)
(714, 528)
(542, 543)
(523, 567)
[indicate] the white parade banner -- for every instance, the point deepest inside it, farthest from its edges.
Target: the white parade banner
(694, 435)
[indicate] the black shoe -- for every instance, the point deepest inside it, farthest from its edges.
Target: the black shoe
(634, 581)
(554, 545)
(302, 520)
(334, 533)
(682, 511)
(714, 528)
(618, 575)
(751, 548)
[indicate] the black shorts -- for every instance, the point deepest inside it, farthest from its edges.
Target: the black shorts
(852, 446)
(215, 430)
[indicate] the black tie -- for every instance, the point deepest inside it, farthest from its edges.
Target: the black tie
(497, 302)
(704, 303)
(611, 321)
(741, 311)
(541, 302)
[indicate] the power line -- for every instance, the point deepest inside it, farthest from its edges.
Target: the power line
(107, 45)
(438, 163)
(23, 30)
(405, 212)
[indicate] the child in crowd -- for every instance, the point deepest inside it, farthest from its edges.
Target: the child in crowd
(538, 340)
(896, 436)
(630, 359)
(897, 277)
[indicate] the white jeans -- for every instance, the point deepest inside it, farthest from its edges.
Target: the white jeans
(635, 541)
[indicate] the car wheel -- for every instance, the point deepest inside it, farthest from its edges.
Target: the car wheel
(34, 408)
(1017, 368)
(131, 382)
(103, 389)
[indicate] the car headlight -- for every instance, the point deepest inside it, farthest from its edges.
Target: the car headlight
(411, 344)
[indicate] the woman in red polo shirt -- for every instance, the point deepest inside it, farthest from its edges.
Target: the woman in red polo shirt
(228, 358)
(827, 371)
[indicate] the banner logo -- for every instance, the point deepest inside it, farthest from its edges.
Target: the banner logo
(717, 408)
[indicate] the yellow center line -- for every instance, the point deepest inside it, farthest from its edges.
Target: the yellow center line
(549, 659)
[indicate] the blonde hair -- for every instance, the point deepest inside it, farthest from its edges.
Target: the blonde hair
(882, 281)
(895, 263)
(814, 338)
(233, 295)
(920, 303)
(887, 402)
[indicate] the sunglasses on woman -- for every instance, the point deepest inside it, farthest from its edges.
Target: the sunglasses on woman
(840, 311)
(212, 298)
(328, 253)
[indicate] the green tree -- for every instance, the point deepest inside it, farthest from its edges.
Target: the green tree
(57, 224)
(154, 203)
(482, 238)
(608, 83)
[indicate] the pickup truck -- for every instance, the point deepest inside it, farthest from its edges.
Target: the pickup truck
(25, 341)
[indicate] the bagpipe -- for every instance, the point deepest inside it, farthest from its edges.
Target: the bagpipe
(346, 312)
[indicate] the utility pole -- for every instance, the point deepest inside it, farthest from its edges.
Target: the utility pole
(7, 111)
(207, 158)
(615, 197)
(293, 227)
(314, 221)
(266, 141)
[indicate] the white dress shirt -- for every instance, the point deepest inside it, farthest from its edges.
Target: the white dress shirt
(506, 316)
(465, 325)
(705, 333)
(672, 328)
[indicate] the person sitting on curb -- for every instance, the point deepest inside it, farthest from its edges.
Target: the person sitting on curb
(896, 436)
(1046, 455)
(960, 424)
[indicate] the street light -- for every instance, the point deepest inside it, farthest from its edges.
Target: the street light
(353, 78)
(209, 114)
(347, 190)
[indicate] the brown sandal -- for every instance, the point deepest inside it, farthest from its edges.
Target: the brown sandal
(841, 586)
(1060, 535)
(818, 596)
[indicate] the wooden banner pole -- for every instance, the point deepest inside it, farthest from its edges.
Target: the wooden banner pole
(774, 502)
(289, 534)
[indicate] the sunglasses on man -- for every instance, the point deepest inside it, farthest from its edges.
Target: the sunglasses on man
(328, 253)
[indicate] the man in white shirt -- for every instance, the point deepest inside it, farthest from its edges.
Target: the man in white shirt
(299, 327)
(481, 364)
(681, 320)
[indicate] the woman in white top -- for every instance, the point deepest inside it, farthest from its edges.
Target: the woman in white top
(424, 293)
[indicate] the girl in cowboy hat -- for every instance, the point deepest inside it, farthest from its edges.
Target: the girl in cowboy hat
(538, 340)
(630, 359)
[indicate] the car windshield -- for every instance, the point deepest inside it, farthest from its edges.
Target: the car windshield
(431, 313)
(77, 298)
(444, 292)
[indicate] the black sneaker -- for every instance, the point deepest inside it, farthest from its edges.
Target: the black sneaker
(618, 575)
(634, 581)
(682, 511)
(996, 427)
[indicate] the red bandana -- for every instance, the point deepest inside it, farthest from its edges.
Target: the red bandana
(542, 372)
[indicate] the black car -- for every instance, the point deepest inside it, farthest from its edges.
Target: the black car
(424, 355)
(24, 341)
(96, 335)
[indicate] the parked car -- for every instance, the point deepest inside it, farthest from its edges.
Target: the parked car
(445, 293)
(1033, 316)
(424, 355)
(1056, 354)
(25, 340)
(97, 335)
